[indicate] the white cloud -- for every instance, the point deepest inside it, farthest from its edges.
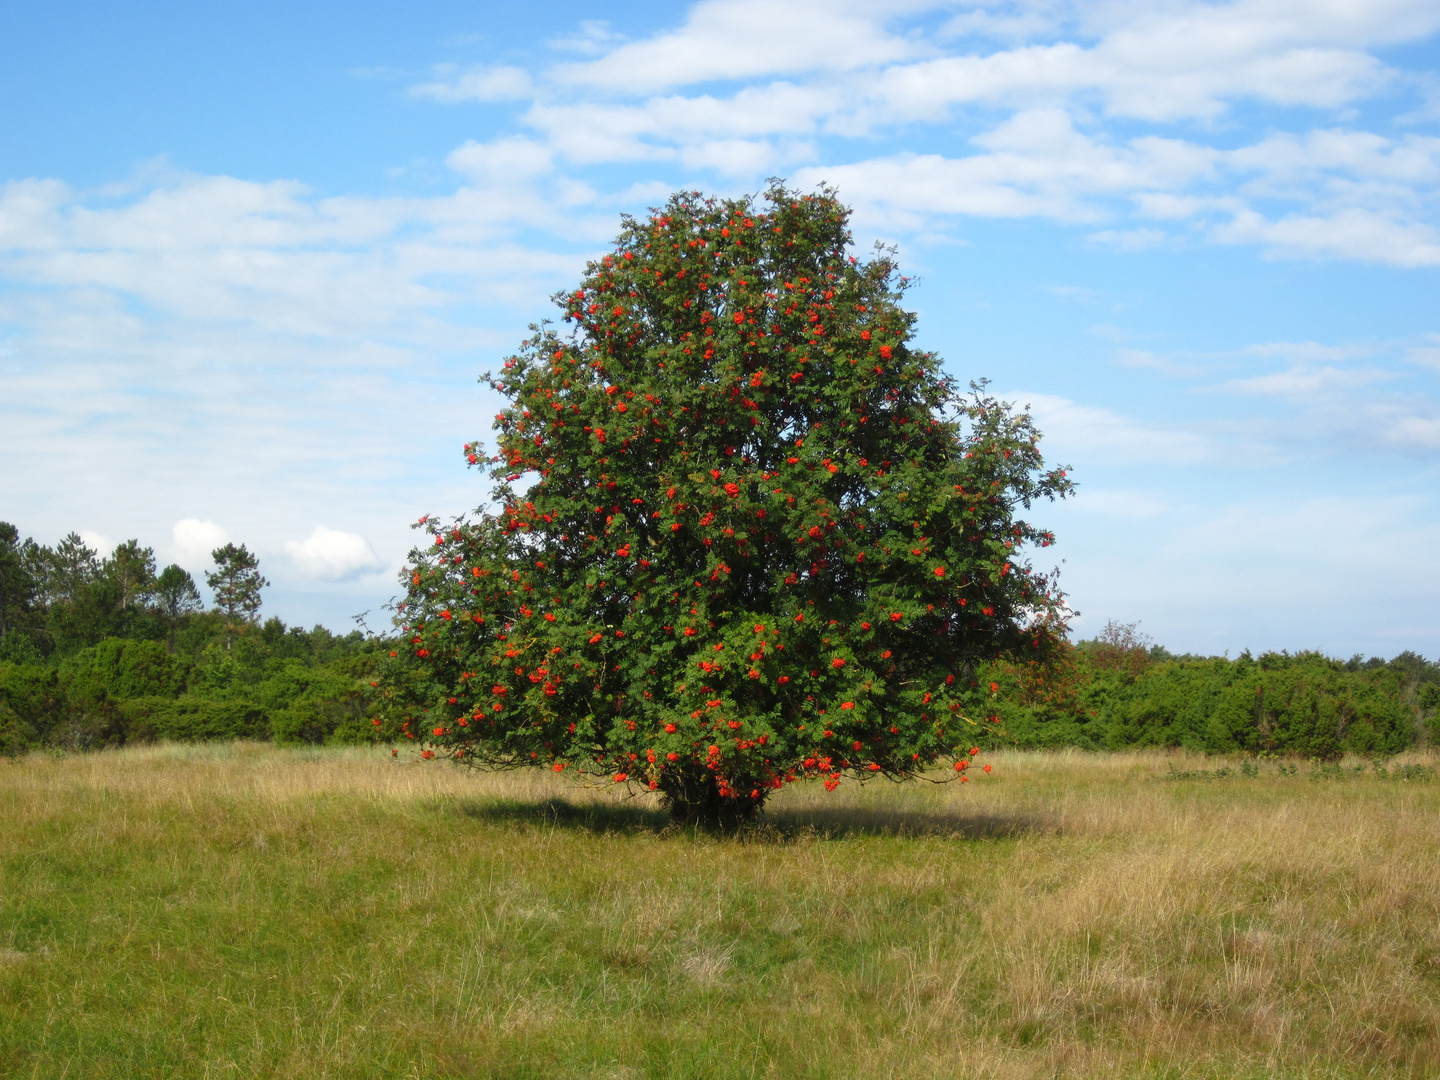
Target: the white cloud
(1076, 432)
(99, 543)
(1427, 356)
(1364, 235)
(194, 540)
(744, 39)
(592, 38)
(332, 555)
(1049, 78)
(452, 85)
(1145, 360)
(1307, 383)
(215, 248)
(1036, 165)
(1332, 404)
(1130, 239)
(503, 162)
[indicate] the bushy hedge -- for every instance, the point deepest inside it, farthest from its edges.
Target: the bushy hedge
(124, 691)
(1305, 705)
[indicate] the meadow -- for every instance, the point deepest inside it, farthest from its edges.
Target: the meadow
(245, 910)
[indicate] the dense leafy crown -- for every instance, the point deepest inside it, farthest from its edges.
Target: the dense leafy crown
(765, 537)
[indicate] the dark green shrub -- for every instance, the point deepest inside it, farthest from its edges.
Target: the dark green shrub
(190, 718)
(16, 736)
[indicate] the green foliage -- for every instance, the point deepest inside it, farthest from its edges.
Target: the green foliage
(124, 690)
(766, 540)
(17, 586)
(1305, 705)
(192, 718)
(175, 597)
(311, 705)
(34, 696)
(123, 668)
(16, 736)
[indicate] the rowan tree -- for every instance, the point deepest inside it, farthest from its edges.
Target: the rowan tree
(743, 531)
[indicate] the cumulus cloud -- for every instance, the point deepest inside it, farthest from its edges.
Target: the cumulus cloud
(194, 540)
(332, 555)
(99, 543)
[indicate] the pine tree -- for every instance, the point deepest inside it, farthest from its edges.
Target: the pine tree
(174, 596)
(236, 584)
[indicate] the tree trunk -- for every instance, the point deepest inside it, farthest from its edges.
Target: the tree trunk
(693, 798)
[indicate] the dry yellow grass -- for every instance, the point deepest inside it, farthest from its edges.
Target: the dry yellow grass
(243, 910)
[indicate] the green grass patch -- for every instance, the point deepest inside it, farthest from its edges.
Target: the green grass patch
(239, 909)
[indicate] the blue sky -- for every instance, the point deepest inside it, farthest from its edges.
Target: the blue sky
(253, 257)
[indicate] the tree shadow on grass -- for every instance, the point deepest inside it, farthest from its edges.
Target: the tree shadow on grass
(843, 822)
(778, 826)
(562, 814)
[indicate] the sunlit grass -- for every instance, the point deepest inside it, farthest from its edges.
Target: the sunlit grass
(238, 910)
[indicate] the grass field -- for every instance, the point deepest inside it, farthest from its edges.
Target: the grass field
(239, 910)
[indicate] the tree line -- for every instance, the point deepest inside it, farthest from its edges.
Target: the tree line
(54, 601)
(106, 651)
(1120, 690)
(100, 651)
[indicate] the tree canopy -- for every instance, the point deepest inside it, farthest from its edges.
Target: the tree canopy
(764, 536)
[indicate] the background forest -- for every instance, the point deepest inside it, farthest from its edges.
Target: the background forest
(102, 652)
(107, 651)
